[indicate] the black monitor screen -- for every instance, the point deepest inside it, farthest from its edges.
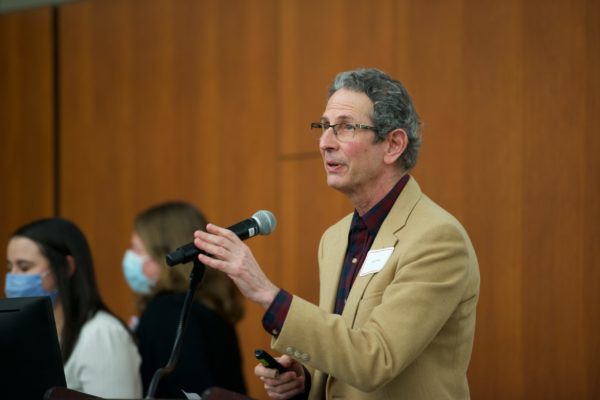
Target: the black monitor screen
(29, 348)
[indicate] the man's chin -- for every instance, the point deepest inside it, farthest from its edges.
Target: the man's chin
(335, 183)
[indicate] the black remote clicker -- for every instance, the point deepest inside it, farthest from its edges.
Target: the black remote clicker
(268, 361)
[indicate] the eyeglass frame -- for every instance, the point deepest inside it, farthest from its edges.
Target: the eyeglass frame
(326, 125)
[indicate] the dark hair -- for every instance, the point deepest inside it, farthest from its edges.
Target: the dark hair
(166, 226)
(56, 239)
(392, 107)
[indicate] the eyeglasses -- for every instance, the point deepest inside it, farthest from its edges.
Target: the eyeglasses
(343, 131)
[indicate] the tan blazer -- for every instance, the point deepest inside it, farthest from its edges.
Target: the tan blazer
(406, 331)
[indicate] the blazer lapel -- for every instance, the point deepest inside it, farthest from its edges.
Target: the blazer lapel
(333, 260)
(386, 237)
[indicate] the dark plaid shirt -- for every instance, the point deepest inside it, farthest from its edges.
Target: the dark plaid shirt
(362, 233)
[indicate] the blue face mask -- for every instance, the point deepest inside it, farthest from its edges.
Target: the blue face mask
(133, 269)
(20, 285)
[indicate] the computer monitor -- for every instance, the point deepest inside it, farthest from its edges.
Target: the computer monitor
(29, 350)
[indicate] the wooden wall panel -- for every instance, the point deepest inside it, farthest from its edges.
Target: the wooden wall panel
(590, 236)
(318, 39)
(553, 178)
(432, 67)
(492, 137)
(210, 101)
(26, 121)
(167, 101)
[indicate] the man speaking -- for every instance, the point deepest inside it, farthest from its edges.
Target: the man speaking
(399, 279)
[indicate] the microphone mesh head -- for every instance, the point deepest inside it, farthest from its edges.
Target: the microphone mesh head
(266, 222)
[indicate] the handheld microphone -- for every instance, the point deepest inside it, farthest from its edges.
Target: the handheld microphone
(261, 223)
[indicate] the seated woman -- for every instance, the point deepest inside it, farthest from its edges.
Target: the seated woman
(210, 354)
(51, 257)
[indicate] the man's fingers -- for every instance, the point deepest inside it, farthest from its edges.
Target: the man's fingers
(221, 232)
(216, 241)
(265, 373)
(288, 385)
(215, 251)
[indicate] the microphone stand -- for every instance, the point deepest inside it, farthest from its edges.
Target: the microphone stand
(195, 278)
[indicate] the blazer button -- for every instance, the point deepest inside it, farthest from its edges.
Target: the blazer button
(297, 354)
(305, 357)
(290, 350)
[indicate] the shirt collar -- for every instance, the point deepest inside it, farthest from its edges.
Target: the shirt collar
(375, 216)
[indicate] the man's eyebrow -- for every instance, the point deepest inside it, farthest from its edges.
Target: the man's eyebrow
(343, 118)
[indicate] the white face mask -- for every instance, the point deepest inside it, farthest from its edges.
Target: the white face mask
(133, 265)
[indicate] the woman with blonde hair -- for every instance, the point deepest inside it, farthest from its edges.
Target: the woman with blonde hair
(210, 354)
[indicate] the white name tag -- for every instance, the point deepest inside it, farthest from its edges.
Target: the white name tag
(375, 261)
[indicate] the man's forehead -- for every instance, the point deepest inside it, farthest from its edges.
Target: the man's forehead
(345, 103)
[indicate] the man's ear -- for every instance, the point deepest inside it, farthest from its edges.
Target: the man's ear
(72, 266)
(396, 143)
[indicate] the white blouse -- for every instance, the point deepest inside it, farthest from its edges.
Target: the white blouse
(105, 361)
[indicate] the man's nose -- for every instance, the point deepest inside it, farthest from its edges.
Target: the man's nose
(327, 139)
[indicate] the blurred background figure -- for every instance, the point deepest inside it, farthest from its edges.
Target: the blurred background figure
(210, 354)
(51, 257)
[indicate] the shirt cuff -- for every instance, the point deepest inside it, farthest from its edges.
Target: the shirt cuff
(277, 312)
